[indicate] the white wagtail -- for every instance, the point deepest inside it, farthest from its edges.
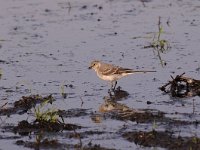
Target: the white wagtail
(111, 72)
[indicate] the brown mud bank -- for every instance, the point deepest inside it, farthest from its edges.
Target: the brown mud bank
(162, 139)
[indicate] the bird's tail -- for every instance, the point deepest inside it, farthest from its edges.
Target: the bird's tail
(142, 71)
(130, 71)
(136, 71)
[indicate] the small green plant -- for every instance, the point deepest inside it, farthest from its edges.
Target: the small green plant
(47, 115)
(154, 126)
(195, 140)
(38, 138)
(158, 44)
(62, 89)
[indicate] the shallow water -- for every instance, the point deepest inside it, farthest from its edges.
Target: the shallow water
(48, 44)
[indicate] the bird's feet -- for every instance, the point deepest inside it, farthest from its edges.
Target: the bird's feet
(114, 90)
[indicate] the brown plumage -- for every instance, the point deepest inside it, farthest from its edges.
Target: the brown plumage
(111, 72)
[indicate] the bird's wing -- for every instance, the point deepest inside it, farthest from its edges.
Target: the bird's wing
(107, 69)
(124, 70)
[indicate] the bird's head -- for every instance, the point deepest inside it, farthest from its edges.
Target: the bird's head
(94, 64)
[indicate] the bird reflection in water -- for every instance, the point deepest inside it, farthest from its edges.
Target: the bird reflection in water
(113, 109)
(117, 94)
(110, 104)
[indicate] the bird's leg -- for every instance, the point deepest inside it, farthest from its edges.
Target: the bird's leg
(115, 85)
(110, 90)
(111, 85)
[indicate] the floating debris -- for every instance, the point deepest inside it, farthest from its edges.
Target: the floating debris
(182, 87)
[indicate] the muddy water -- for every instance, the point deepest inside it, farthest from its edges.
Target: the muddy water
(48, 44)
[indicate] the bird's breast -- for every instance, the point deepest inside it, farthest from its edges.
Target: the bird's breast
(112, 77)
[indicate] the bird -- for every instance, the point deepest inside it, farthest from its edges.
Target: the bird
(112, 73)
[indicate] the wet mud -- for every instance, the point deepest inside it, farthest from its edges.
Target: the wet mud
(25, 128)
(162, 139)
(111, 109)
(50, 100)
(24, 104)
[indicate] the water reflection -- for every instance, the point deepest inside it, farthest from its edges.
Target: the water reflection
(110, 105)
(117, 94)
(97, 118)
(111, 108)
